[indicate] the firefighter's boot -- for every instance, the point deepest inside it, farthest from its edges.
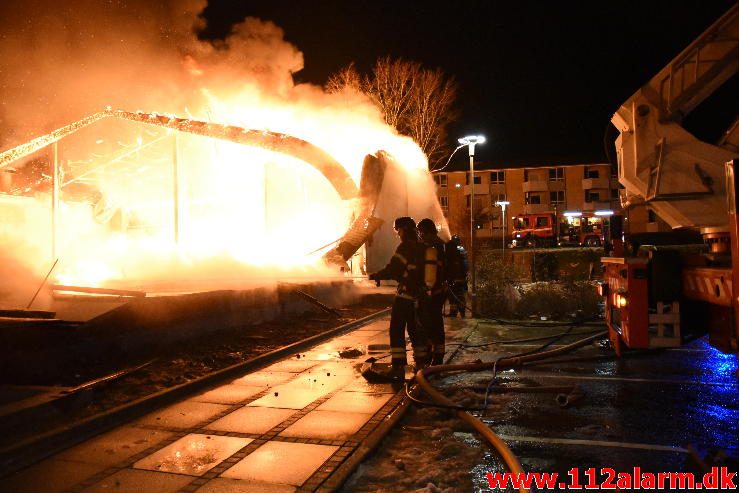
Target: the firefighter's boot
(421, 363)
(396, 374)
(382, 373)
(421, 357)
(437, 354)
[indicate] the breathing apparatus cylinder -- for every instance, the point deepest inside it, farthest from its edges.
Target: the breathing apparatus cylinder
(430, 270)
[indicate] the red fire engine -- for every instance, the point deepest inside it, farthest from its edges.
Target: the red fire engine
(585, 229)
(655, 293)
(571, 229)
(533, 230)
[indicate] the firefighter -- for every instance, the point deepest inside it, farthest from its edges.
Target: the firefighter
(405, 268)
(456, 273)
(431, 306)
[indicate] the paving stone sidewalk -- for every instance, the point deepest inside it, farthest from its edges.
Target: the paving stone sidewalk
(285, 428)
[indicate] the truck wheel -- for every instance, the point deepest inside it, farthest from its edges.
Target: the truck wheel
(532, 242)
(592, 241)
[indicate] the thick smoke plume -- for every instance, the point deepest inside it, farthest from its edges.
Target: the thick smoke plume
(60, 61)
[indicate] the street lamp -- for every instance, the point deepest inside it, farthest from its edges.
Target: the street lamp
(502, 204)
(471, 141)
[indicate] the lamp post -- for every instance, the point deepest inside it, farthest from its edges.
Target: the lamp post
(471, 141)
(502, 204)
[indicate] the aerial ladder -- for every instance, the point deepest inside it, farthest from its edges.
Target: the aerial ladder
(688, 183)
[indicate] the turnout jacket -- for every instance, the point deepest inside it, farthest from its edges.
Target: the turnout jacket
(406, 267)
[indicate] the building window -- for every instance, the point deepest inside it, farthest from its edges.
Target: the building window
(591, 196)
(498, 197)
(651, 216)
(557, 198)
(444, 201)
(525, 175)
(556, 174)
(532, 198)
(614, 194)
(478, 179)
(497, 177)
(591, 173)
(441, 180)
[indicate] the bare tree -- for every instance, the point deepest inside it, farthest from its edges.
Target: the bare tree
(431, 112)
(347, 77)
(416, 101)
(392, 86)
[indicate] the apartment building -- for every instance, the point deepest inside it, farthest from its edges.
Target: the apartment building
(584, 188)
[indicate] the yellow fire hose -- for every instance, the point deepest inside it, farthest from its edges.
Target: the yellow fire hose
(509, 362)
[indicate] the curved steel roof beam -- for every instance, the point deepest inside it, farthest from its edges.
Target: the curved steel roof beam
(333, 170)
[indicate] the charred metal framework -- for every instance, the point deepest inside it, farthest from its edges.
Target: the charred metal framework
(277, 142)
(373, 170)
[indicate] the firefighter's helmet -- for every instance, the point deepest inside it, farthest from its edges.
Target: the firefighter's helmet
(427, 226)
(404, 222)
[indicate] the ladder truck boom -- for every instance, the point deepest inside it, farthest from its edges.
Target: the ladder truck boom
(657, 293)
(661, 163)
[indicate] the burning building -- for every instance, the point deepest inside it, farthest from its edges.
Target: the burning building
(256, 179)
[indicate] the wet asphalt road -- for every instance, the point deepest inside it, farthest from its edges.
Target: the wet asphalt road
(642, 410)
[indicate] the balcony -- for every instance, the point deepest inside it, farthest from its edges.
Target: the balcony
(591, 183)
(480, 189)
(535, 186)
(556, 186)
(536, 208)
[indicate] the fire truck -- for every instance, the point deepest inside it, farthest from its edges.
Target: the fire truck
(656, 293)
(549, 229)
(533, 230)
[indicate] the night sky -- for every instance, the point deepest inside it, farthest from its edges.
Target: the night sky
(539, 79)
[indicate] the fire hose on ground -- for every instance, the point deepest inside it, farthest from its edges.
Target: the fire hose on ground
(511, 461)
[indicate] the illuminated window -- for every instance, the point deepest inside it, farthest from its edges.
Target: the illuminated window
(497, 177)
